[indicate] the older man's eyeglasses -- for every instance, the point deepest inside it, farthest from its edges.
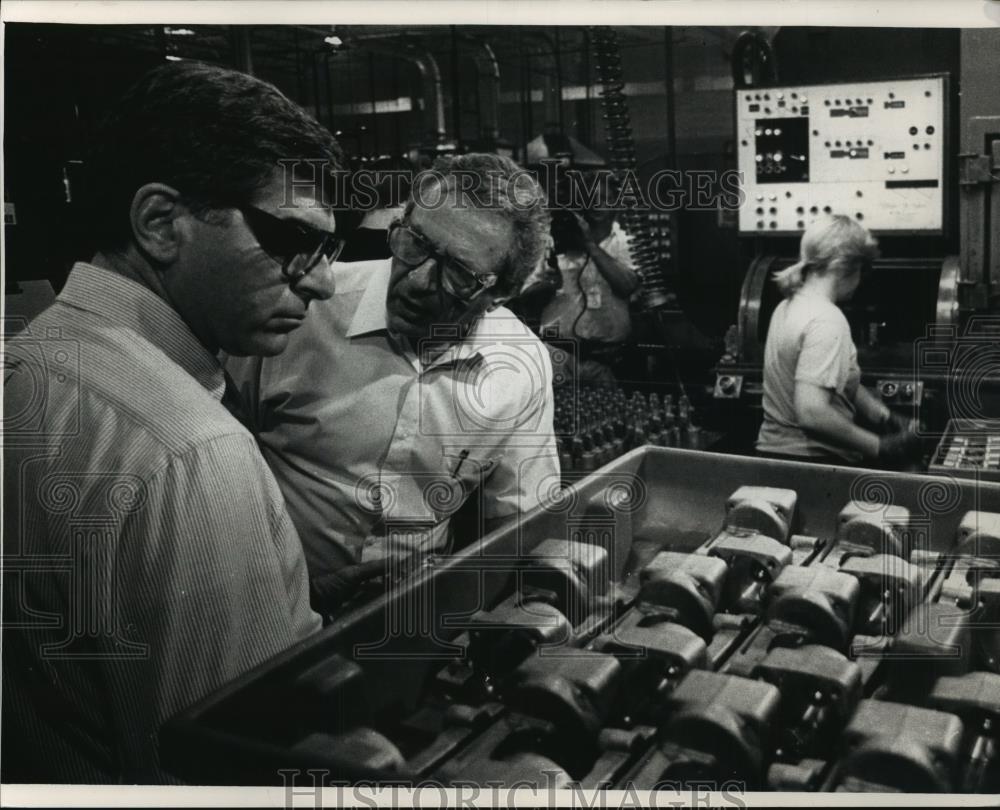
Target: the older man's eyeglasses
(297, 247)
(413, 249)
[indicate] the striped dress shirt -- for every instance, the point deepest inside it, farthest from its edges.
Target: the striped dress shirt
(148, 555)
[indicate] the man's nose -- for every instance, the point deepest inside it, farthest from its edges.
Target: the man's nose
(423, 277)
(318, 282)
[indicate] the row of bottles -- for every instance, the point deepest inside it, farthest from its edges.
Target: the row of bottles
(595, 426)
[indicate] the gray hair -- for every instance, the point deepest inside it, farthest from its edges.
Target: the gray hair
(831, 244)
(498, 183)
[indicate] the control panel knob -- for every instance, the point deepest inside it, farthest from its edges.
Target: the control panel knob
(889, 389)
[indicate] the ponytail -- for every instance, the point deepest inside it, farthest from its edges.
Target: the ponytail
(791, 279)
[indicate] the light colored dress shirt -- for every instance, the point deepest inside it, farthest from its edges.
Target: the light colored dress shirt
(376, 442)
(148, 556)
(809, 340)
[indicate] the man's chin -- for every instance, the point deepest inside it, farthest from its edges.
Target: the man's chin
(261, 344)
(403, 326)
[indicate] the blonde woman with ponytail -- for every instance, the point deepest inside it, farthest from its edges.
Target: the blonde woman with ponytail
(815, 408)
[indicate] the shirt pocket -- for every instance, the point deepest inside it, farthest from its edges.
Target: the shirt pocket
(462, 473)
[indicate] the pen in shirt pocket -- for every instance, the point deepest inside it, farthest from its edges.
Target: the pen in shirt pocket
(458, 465)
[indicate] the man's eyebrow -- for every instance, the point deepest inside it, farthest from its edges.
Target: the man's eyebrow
(446, 253)
(295, 217)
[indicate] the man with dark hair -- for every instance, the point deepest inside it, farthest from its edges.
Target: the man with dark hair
(415, 388)
(148, 556)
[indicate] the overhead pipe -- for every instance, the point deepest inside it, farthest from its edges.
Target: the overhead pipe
(551, 79)
(424, 61)
(488, 70)
(426, 64)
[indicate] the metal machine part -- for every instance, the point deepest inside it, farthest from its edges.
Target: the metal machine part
(630, 697)
(501, 638)
(972, 583)
(872, 528)
(812, 604)
(975, 698)
(573, 689)
(649, 639)
(572, 575)
(514, 749)
(892, 746)
(935, 640)
(754, 560)
(686, 586)
(890, 587)
(820, 689)
(978, 536)
(767, 510)
(727, 717)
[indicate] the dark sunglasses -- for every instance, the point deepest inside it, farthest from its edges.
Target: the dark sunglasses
(413, 249)
(297, 247)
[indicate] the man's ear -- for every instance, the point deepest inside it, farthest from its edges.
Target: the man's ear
(154, 211)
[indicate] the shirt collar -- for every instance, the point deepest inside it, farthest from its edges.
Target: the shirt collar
(370, 316)
(127, 303)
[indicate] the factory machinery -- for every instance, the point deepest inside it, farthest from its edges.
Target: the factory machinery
(676, 618)
(925, 323)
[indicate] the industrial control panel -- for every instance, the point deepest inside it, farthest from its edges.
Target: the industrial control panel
(874, 151)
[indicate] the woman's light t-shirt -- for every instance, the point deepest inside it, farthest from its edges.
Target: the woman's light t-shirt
(808, 340)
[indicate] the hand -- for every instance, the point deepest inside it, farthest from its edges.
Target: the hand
(899, 447)
(330, 591)
(895, 423)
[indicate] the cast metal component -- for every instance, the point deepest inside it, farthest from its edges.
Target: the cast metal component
(726, 717)
(574, 689)
(804, 548)
(977, 557)
(813, 603)
(902, 747)
(819, 687)
(754, 560)
(688, 586)
(987, 622)
(619, 748)
(461, 723)
(767, 510)
(890, 586)
(501, 638)
(975, 698)
(979, 536)
(574, 573)
(934, 640)
(873, 528)
(516, 748)
(648, 640)
(359, 749)
(804, 775)
(331, 692)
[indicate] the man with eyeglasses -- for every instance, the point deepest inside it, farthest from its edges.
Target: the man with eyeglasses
(148, 555)
(414, 389)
